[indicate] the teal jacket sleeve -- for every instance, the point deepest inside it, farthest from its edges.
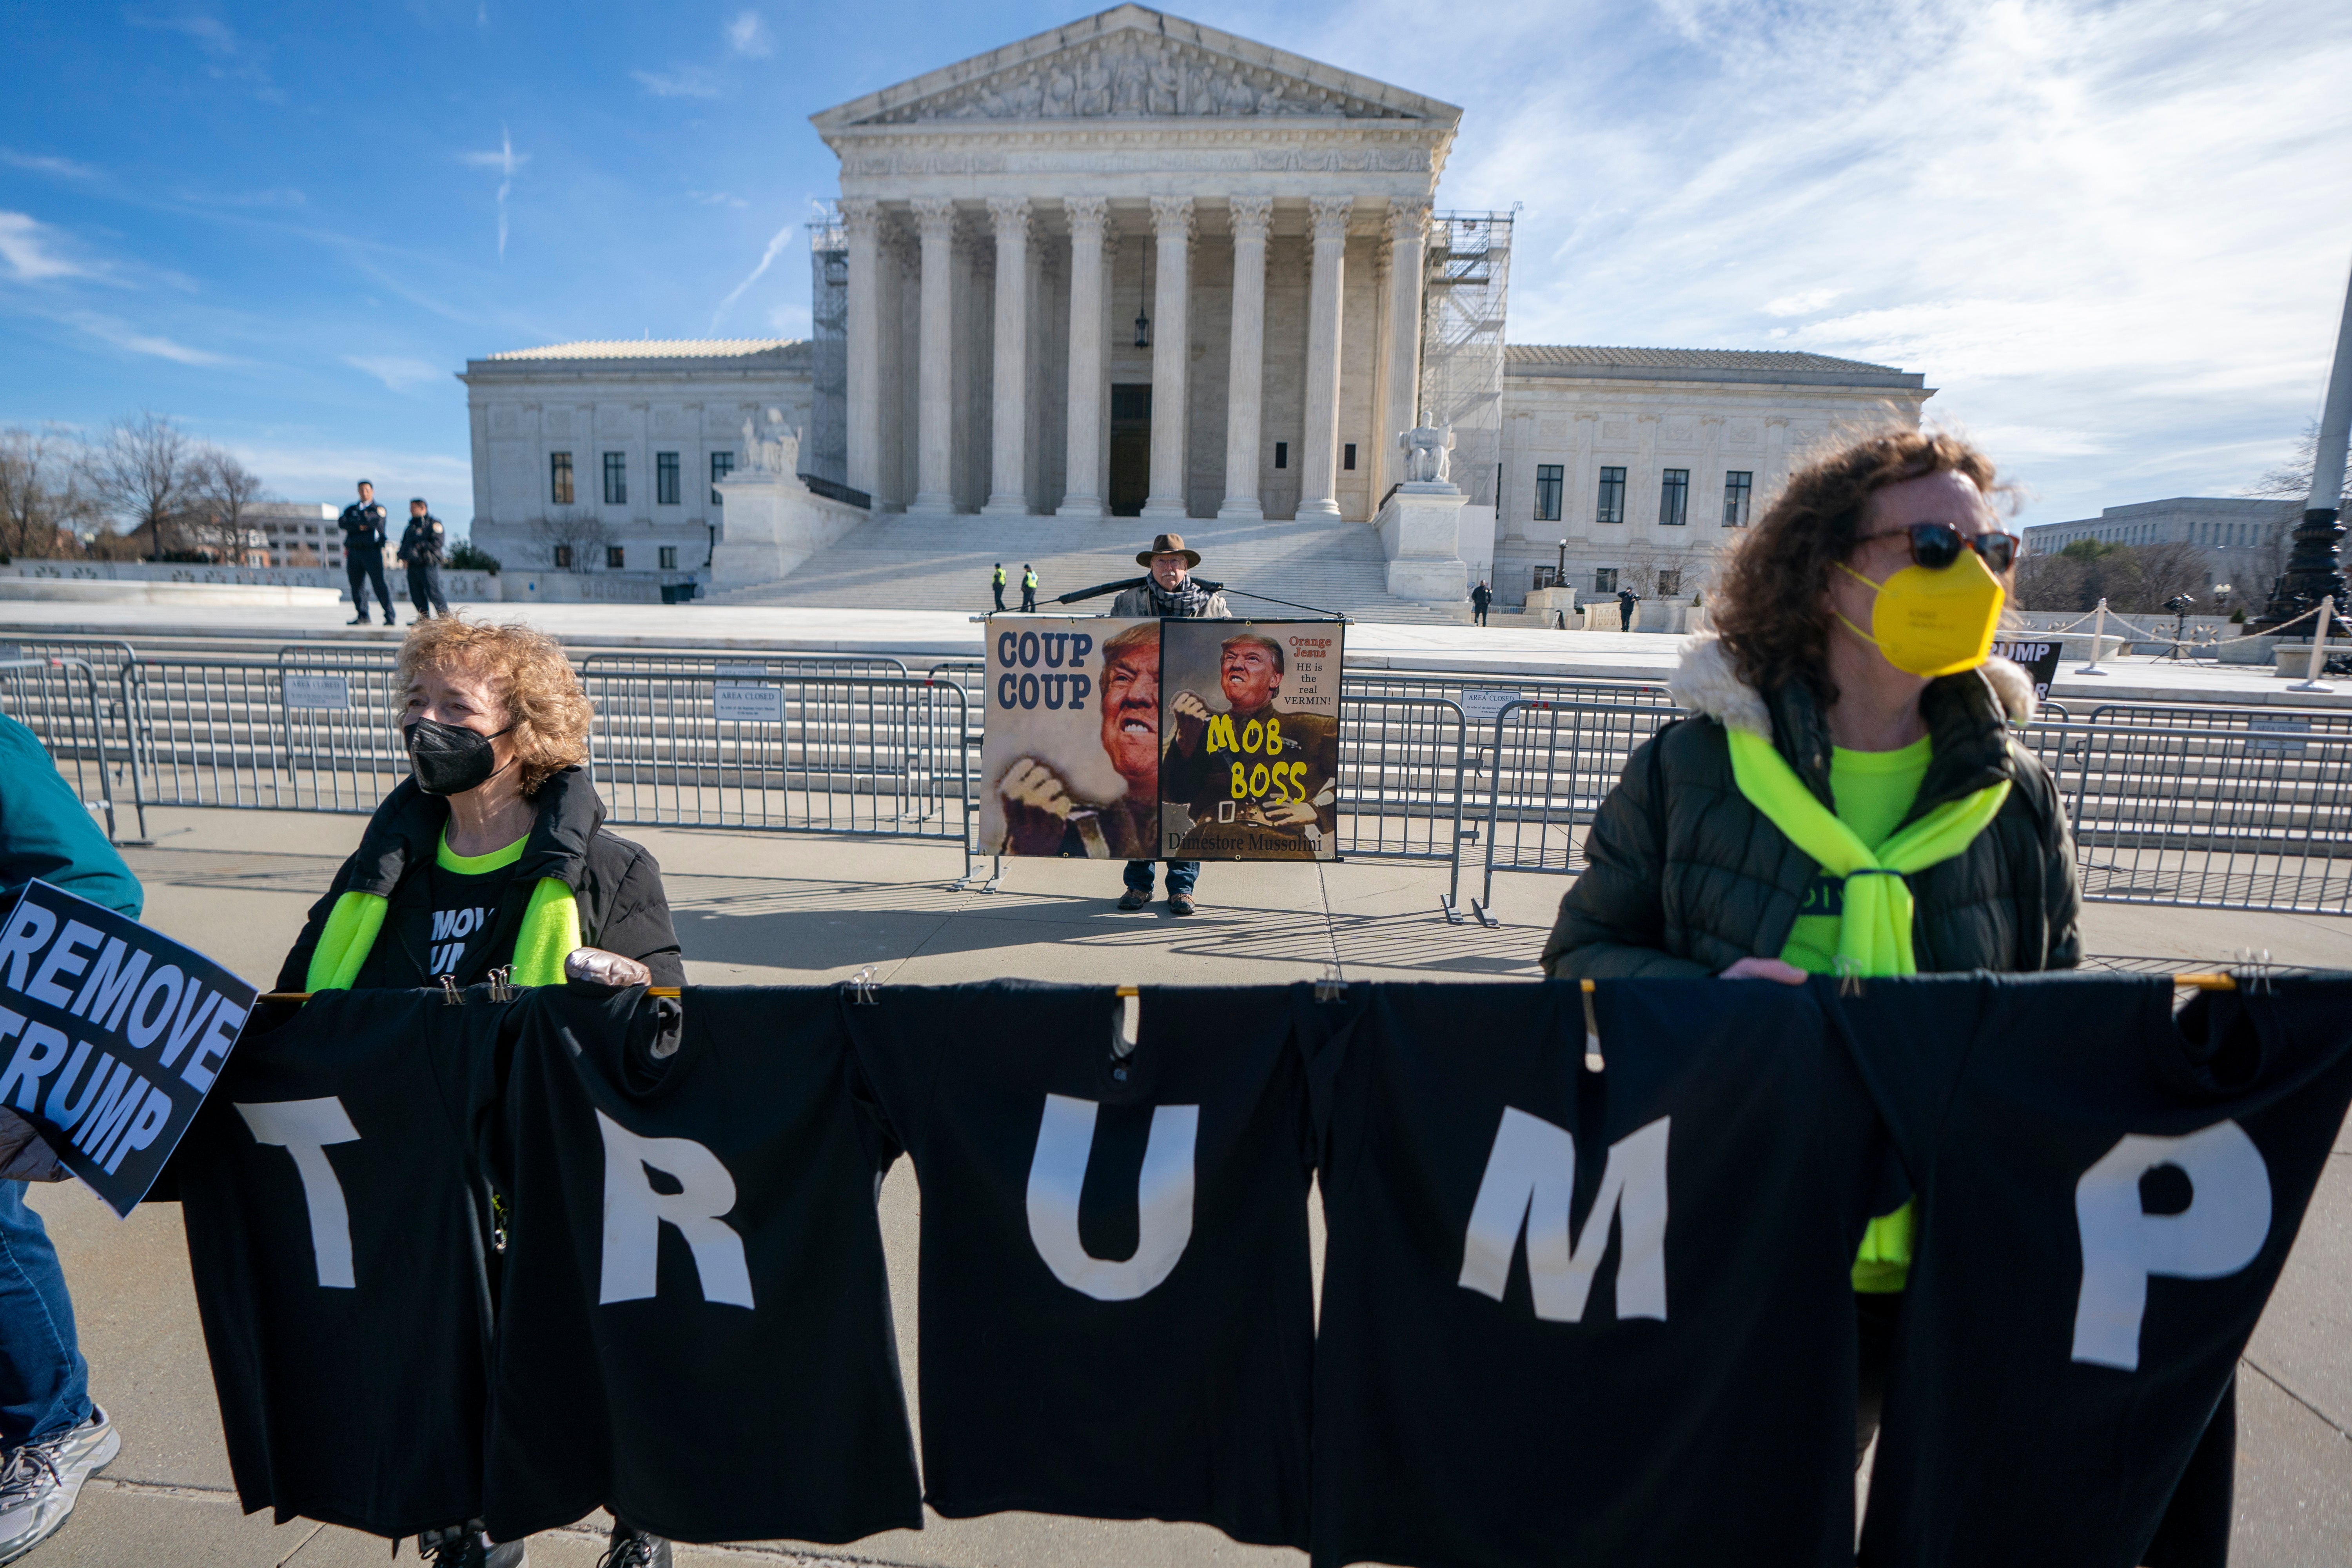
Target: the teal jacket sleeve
(46, 832)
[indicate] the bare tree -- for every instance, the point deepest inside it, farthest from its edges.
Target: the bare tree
(574, 540)
(2054, 582)
(41, 497)
(142, 475)
(220, 510)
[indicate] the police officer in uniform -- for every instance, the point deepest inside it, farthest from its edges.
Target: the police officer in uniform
(363, 537)
(1028, 586)
(423, 549)
(996, 585)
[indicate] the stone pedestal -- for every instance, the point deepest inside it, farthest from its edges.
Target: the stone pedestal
(771, 523)
(1420, 528)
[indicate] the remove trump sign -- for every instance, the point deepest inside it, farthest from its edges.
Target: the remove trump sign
(113, 1036)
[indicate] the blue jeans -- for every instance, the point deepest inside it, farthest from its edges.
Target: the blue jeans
(1181, 875)
(44, 1383)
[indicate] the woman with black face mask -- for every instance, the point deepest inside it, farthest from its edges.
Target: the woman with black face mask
(492, 853)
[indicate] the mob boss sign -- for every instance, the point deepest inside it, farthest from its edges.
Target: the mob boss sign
(112, 1036)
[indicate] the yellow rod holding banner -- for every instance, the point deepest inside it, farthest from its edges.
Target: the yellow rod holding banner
(2195, 982)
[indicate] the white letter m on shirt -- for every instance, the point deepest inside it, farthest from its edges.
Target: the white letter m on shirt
(1530, 1185)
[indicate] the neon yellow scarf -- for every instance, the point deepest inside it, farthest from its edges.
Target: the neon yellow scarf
(1875, 931)
(549, 928)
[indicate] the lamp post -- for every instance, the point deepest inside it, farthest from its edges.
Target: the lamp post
(1559, 573)
(2312, 571)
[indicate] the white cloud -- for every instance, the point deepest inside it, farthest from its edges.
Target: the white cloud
(307, 466)
(1803, 303)
(398, 373)
(129, 338)
(505, 161)
(716, 199)
(747, 36)
(27, 246)
(2117, 224)
(41, 164)
(680, 81)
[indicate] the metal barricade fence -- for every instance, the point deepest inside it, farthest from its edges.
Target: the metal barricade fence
(1402, 765)
(1551, 765)
(2171, 804)
(2247, 809)
(59, 700)
(812, 754)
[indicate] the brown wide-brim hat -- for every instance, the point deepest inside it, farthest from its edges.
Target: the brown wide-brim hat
(1169, 544)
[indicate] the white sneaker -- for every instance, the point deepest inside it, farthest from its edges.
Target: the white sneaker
(42, 1478)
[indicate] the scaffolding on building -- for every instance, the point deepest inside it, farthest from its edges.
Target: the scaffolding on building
(1465, 284)
(824, 445)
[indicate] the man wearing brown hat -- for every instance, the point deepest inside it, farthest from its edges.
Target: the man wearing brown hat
(1168, 592)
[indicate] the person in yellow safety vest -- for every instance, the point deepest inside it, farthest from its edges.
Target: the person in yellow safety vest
(1866, 809)
(1028, 586)
(996, 585)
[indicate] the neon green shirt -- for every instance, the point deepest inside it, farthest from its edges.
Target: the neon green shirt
(1873, 792)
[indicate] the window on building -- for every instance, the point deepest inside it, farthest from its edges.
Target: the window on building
(669, 557)
(1738, 486)
(664, 479)
(721, 465)
(1348, 456)
(1604, 578)
(615, 557)
(1674, 498)
(1547, 577)
(1612, 495)
(1548, 492)
(563, 558)
(1282, 454)
(559, 479)
(617, 479)
(1670, 583)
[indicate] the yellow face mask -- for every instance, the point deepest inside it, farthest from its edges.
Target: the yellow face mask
(1934, 623)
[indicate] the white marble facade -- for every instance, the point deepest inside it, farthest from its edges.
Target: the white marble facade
(657, 408)
(1612, 427)
(1009, 218)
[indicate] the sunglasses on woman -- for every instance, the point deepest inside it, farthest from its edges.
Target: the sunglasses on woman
(1935, 545)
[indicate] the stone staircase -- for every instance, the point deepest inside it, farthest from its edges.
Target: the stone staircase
(895, 561)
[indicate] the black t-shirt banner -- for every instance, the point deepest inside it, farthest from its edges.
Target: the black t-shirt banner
(334, 1234)
(1588, 1316)
(113, 1034)
(1116, 1307)
(2106, 1196)
(696, 1321)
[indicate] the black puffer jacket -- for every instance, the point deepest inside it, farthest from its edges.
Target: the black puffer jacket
(616, 883)
(1685, 876)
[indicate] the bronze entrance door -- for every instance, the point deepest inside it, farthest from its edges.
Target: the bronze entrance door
(1131, 449)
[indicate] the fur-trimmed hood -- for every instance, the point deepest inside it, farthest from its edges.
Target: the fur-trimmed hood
(1707, 682)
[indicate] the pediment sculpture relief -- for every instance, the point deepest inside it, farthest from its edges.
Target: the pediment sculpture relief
(1133, 78)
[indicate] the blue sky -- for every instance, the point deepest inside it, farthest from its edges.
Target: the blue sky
(2115, 234)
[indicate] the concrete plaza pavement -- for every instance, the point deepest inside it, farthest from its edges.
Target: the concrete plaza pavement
(757, 908)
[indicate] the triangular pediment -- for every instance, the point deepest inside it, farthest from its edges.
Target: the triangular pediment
(1131, 63)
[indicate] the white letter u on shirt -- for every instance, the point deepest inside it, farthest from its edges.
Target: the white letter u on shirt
(1163, 1199)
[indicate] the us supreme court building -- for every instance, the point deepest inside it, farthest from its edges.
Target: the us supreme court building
(1134, 267)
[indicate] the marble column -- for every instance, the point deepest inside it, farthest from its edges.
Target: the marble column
(1245, 384)
(935, 408)
(1008, 482)
(863, 221)
(1320, 444)
(1408, 239)
(1172, 355)
(1082, 484)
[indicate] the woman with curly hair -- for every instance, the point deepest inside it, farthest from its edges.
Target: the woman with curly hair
(1846, 795)
(492, 853)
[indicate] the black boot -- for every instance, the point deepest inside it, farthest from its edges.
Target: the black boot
(465, 1546)
(633, 1548)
